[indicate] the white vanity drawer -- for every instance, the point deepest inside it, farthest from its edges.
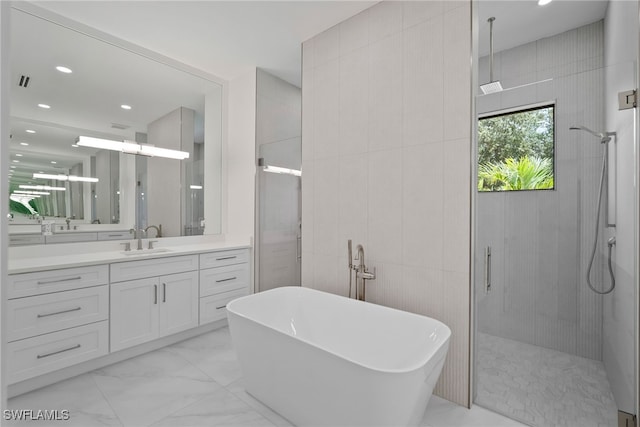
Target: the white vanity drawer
(224, 279)
(42, 282)
(71, 237)
(26, 239)
(222, 258)
(214, 307)
(41, 314)
(114, 235)
(132, 270)
(45, 353)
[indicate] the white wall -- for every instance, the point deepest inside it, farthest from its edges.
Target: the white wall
(541, 240)
(239, 156)
(620, 307)
(386, 143)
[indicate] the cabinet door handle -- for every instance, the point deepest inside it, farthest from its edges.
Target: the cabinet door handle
(59, 312)
(226, 280)
(155, 293)
(222, 306)
(226, 257)
(68, 279)
(164, 292)
(42, 356)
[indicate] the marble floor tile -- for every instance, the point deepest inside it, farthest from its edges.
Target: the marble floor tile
(543, 387)
(213, 354)
(238, 389)
(148, 388)
(442, 413)
(79, 395)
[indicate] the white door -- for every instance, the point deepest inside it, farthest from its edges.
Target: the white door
(134, 312)
(178, 302)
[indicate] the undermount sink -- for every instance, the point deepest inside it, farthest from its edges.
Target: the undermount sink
(145, 251)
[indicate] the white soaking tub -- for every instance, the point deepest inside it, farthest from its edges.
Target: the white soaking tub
(320, 359)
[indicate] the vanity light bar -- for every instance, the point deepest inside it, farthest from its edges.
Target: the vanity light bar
(65, 177)
(27, 192)
(41, 187)
(131, 148)
(195, 187)
(277, 169)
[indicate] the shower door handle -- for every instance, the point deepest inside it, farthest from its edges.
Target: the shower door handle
(487, 270)
(298, 248)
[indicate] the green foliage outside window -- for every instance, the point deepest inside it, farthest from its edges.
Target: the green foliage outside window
(515, 151)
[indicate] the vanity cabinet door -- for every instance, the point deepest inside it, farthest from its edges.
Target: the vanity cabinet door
(178, 295)
(134, 312)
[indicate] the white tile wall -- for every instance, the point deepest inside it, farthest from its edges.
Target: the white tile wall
(386, 162)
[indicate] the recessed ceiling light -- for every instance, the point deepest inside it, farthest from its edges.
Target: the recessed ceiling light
(18, 155)
(125, 107)
(24, 143)
(53, 162)
(12, 167)
(74, 145)
(45, 106)
(16, 161)
(543, 2)
(30, 131)
(64, 69)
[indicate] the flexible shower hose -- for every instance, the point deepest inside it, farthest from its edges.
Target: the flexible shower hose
(595, 239)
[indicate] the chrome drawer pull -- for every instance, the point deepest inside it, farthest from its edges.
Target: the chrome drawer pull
(59, 312)
(226, 257)
(226, 280)
(115, 235)
(42, 356)
(155, 293)
(222, 306)
(164, 292)
(69, 279)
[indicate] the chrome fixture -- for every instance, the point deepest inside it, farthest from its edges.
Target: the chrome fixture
(158, 230)
(68, 221)
(487, 270)
(127, 246)
(493, 85)
(151, 242)
(604, 137)
(360, 270)
(137, 234)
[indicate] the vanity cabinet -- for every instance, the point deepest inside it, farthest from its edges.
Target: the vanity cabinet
(147, 308)
(55, 319)
(224, 276)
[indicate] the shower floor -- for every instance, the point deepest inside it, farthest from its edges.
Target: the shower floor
(542, 387)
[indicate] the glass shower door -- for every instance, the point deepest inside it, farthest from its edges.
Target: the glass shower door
(278, 215)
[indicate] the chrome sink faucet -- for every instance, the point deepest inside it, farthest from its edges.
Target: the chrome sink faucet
(158, 230)
(137, 234)
(68, 221)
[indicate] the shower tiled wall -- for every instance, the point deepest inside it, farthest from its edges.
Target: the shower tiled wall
(386, 143)
(541, 240)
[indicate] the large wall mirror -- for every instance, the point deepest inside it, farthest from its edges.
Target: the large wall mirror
(67, 84)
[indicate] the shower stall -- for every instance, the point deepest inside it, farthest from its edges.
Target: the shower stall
(555, 286)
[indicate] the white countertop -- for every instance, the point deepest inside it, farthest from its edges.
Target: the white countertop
(74, 256)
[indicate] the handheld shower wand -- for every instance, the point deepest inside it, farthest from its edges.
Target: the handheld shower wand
(350, 264)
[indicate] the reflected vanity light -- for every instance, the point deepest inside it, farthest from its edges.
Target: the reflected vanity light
(71, 178)
(30, 193)
(543, 2)
(277, 169)
(64, 69)
(45, 106)
(129, 147)
(195, 187)
(41, 187)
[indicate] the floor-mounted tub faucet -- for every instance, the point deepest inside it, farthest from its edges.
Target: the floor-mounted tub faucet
(361, 272)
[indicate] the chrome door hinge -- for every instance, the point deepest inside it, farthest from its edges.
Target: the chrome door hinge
(627, 99)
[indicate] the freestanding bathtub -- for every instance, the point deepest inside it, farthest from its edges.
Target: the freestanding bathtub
(320, 359)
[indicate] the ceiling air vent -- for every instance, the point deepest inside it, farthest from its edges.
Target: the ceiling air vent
(119, 126)
(24, 81)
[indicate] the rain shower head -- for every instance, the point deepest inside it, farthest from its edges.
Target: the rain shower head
(603, 136)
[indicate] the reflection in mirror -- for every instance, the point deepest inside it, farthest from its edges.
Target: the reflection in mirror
(70, 84)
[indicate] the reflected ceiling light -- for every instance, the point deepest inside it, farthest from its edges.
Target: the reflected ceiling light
(130, 147)
(63, 69)
(277, 169)
(42, 193)
(12, 167)
(75, 145)
(18, 155)
(41, 187)
(30, 131)
(543, 2)
(16, 161)
(53, 162)
(45, 106)
(125, 107)
(24, 143)
(195, 187)
(61, 177)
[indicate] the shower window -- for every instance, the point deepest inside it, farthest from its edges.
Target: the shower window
(516, 149)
